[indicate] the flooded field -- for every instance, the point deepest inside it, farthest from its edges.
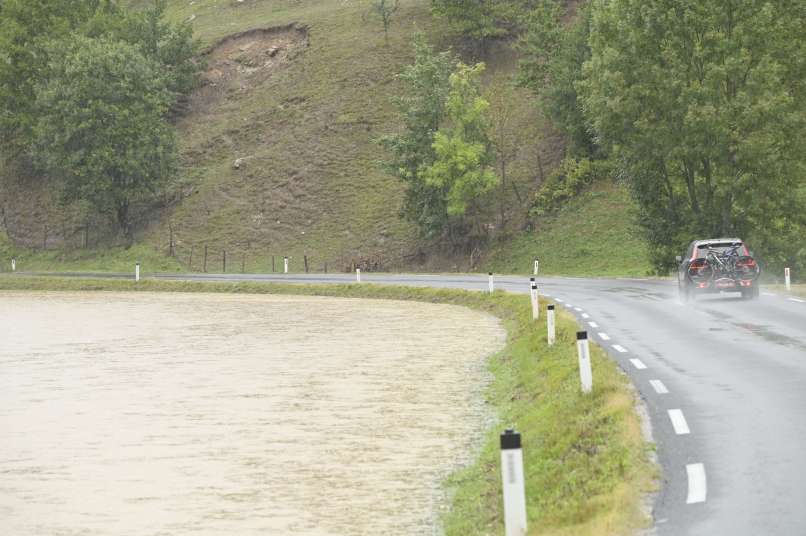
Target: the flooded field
(174, 414)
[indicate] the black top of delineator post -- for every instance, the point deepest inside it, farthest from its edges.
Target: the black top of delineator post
(510, 439)
(489, 273)
(551, 307)
(582, 335)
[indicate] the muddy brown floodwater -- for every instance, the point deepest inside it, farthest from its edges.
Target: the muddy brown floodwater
(173, 414)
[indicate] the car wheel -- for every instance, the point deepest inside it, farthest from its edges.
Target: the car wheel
(750, 293)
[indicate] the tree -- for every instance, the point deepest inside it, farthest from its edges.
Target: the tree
(26, 28)
(422, 110)
(480, 20)
(552, 56)
(461, 168)
(101, 131)
(384, 10)
(704, 106)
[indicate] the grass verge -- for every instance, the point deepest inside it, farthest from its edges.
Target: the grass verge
(114, 259)
(586, 462)
(797, 289)
(592, 235)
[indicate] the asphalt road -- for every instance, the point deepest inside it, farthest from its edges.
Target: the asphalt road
(724, 381)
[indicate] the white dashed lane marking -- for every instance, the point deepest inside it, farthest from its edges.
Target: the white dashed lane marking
(679, 422)
(604, 336)
(585, 315)
(767, 294)
(797, 300)
(578, 309)
(697, 487)
(637, 363)
(593, 324)
(658, 386)
(620, 348)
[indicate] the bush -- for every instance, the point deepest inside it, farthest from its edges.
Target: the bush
(568, 180)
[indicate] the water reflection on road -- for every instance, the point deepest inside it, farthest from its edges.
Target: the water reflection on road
(146, 414)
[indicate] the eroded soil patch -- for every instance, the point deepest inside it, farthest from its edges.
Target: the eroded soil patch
(246, 60)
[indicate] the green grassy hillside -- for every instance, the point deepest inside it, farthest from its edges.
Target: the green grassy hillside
(279, 157)
(592, 235)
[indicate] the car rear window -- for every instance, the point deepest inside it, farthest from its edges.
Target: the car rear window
(719, 247)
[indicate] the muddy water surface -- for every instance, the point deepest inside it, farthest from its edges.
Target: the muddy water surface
(163, 414)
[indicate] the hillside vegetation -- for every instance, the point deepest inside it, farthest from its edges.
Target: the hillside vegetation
(317, 132)
(279, 147)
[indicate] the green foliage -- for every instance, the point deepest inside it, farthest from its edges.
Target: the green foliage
(26, 29)
(552, 56)
(704, 106)
(170, 45)
(85, 90)
(480, 20)
(422, 109)
(463, 155)
(100, 127)
(443, 154)
(567, 180)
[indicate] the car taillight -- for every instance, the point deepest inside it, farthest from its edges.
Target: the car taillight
(697, 264)
(748, 263)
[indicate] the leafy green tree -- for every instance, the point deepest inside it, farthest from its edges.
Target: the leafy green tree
(422, 110)
(704, 106)
(26, 28)
(462, 168)
(552, 56)
(101, 129)
(171, 45)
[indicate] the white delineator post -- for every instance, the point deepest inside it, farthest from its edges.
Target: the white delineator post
(136, 272)
(787, 280)
(13, 264)
(285, 265)
(537, 266)
(550, 324)
(490, 282)
(585, 373)
(513, 484)
(535, 299)
(358, 275)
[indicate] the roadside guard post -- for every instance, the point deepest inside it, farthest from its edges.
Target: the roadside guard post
(535, 299)
(513, 483)
(490, 282)
(787, 280)
(285, 265)
(537, 265)
(358, 275)
(585, 374)
(136, 272)
(550, 324)
(13, 264)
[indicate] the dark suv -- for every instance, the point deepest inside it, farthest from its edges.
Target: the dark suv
(718, 265)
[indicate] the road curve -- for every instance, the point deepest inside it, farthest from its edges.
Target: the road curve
(724, 381)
